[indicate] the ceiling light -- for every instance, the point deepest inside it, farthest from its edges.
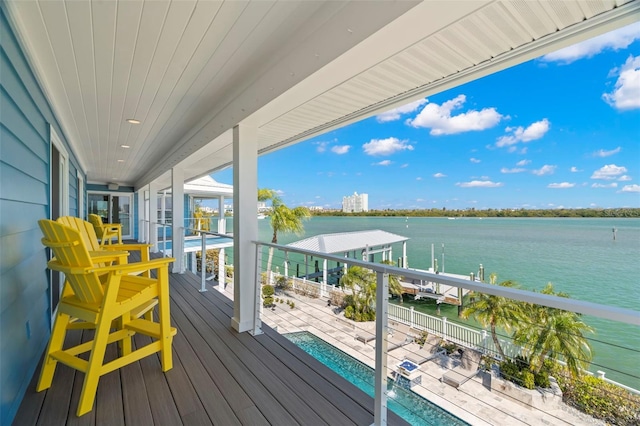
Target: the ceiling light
(125, 146)
(133, 121)
(120, 161)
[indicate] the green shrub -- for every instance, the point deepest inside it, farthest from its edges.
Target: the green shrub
(348, 312)
(284, 283)
(267, 302)
(449, 347)
(267, 290)
(528, 379)
(542, 379)
(292, 305)
(599, 399)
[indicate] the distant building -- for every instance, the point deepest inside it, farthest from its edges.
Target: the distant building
(316, 208)
(355, 203)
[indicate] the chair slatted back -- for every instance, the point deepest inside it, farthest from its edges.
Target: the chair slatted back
(71, 257)
(98, 226)
(86, 230)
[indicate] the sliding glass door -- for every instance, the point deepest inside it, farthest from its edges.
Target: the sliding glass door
(113, 207)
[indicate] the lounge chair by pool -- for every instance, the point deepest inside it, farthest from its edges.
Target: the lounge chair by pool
(365, 337)
(468, 368)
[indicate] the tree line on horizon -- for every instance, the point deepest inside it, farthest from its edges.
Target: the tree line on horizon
(474, 213)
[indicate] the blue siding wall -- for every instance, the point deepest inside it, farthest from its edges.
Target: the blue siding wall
(24, 199)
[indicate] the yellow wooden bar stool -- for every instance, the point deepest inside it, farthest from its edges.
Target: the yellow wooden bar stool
(101, 295)
(106, 231)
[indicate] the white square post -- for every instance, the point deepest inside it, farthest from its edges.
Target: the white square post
(245, 227)
(177, 221)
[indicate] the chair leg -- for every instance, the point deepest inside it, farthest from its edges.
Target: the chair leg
(96, 359)
(56, 341)
(124, 344)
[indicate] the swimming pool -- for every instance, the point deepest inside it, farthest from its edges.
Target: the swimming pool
(407, 404)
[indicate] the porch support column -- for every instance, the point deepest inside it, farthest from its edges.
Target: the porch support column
(177, 221)
(222, 223)
(404, 255)
(153, 216)
(245, 228)
(141, 216)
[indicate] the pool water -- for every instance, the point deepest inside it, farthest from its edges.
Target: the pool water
(407, 404)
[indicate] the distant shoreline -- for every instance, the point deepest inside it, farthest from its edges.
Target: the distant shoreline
(497, 213)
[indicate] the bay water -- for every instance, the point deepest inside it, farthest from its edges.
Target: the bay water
(578, 256)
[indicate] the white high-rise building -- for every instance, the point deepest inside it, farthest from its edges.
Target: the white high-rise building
(355, 203)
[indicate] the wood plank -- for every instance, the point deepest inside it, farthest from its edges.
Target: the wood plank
(109, 409)
(299, 382)
(247, 370)
(219, 410)
(58, 399)
(296, 405)
(229, 389)
(88, 419)
(135, 401)
(163, 408)
(32, 403)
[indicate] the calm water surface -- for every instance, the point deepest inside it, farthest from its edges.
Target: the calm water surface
(579, 256)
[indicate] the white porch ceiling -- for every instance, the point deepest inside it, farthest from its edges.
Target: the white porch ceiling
(191, 70)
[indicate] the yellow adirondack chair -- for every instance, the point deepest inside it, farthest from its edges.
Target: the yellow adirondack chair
(108, 255)
(101, 295)
(106, 231)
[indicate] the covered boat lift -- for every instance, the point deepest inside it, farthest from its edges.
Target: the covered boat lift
(356, 245)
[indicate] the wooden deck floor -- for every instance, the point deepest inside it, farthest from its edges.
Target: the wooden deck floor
(219, 377)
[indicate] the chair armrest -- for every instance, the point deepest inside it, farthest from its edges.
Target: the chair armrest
(109, 256)
(134, 267)
(129, 247)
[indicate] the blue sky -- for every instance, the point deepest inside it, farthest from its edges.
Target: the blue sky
(561, 131)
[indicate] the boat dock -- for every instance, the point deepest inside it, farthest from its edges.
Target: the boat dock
(440, 292)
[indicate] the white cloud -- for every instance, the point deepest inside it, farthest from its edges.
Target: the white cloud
(602, 185)
(630, 188)
(479, 184)
(523, 163)
(439, 175)
(626, 94)
(382, 163)
(474, 160)
(439, 119)
(602, 153)
(420, 200)
(561, 185)
(609, 172)
(396, 113)
(340, 149)
(545, 170)
(386, 146)
(624, 178)
(419, 178)
(520, 134)
(404, 166)
(322, 146)
(279, 192)
(514, 170)
(615, 40)
(574, 169)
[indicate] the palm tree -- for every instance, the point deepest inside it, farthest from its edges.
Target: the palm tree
(494, 312)
(395, 287)
(283, 219)
(362, 283)
(552, 333)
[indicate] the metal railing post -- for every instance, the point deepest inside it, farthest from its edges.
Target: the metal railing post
(257, 323)
(382, 330)
(203, 262)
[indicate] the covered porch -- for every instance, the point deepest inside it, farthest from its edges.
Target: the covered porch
(219, 377)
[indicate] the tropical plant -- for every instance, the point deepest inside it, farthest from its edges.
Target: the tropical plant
(362, 283)
(495, 312)
(554, 333)
(282, 218)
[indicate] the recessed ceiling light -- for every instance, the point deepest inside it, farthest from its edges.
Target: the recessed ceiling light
(125, 146)
(133, 121)
(120, 161)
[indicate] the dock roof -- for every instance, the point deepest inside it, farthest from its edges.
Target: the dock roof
(341, 242)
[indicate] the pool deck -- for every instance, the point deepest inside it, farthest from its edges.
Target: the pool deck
(471, 402)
